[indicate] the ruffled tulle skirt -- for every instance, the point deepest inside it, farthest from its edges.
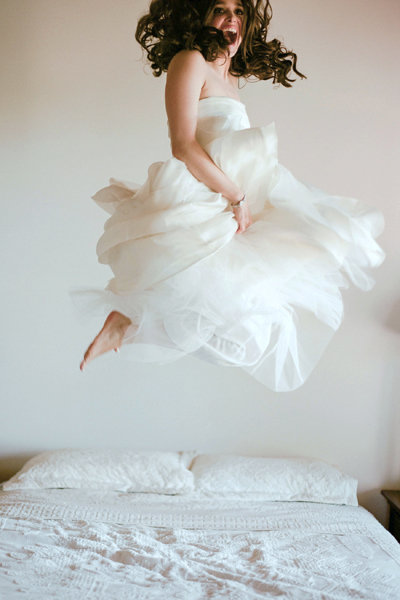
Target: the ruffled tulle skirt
(267, 300)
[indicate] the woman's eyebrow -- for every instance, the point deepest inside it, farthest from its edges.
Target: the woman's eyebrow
(238, 4)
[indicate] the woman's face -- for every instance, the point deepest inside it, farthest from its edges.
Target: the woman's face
(228, 16)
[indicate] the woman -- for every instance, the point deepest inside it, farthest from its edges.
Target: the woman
(267, 299)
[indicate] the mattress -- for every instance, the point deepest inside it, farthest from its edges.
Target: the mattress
(70, 544)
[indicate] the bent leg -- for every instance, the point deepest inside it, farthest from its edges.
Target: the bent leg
(109, 338)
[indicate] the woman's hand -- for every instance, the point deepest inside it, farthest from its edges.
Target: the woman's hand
(242, 216)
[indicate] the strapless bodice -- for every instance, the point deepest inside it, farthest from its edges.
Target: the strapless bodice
(219, 115)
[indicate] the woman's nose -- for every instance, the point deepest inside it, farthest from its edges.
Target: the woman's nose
(231, 17)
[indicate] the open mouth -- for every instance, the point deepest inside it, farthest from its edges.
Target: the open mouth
(231, 35)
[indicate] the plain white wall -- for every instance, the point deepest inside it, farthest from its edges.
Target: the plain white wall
(78, 106)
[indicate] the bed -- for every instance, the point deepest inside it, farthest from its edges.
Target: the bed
(120, 524)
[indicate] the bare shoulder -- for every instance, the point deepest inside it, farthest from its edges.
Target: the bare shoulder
(188, 60)
(185, 78)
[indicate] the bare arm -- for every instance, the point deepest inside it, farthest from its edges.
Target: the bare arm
(186, 77)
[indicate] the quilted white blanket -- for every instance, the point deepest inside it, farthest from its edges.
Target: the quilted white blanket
(70, 544)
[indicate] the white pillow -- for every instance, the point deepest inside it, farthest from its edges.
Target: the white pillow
(107, 469)
(275, 479)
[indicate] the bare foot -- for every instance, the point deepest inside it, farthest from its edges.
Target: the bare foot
(109, 338)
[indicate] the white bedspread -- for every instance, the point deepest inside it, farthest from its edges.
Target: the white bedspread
(70, 544)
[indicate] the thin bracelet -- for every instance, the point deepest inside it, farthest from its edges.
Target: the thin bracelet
(239, 202)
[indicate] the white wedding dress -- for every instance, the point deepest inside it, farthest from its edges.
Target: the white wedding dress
(266, 300)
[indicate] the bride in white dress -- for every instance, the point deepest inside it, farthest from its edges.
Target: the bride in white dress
(222, 253)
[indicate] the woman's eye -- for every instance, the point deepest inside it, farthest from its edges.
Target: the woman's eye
(219, 11)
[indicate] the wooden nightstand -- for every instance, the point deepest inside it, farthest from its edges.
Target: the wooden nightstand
(393, 497)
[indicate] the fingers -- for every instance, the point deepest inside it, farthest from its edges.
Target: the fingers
(243, 218)
(243, 225)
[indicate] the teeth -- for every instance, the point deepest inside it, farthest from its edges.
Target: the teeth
(232, 34)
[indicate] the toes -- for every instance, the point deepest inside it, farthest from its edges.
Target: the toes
(86, 357)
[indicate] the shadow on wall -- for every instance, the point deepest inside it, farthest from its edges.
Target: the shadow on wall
(393, 319)
(12, 463)
(375, 503)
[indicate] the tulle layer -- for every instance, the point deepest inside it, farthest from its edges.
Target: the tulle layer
(267, 300)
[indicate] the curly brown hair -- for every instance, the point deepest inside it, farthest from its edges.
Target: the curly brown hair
(174, 25)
